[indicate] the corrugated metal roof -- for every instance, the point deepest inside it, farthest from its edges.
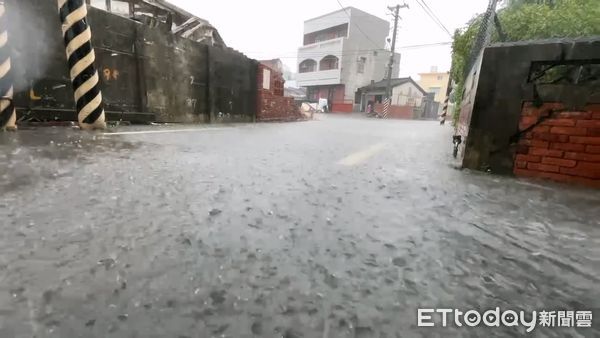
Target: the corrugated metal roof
(184, 23)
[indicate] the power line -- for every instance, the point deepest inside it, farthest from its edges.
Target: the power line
(432, 15)
(436, 17)
(357, 51)
(426, 45)
(355, 24)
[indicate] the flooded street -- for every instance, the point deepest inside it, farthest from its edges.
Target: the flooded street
(342, 227)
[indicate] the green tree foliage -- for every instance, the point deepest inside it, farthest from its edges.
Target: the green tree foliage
(527, 20)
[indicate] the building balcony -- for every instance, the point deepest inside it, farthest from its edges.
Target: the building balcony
(319, 63)
(320, 49)
(318, 78)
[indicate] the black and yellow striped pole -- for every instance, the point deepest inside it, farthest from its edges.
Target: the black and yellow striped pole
(386, 108)
(446, 102)
(80, 55)
(444, 110)
(8, 116)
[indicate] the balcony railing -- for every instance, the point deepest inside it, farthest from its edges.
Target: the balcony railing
(322, 77)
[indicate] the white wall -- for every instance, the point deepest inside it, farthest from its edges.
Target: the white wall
(368, 41)
(375, 69)
(324, 77)
(317, 51)
(407, 94)
(326, 21)
(367, 31)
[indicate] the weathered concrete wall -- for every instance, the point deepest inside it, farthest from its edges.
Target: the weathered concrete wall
(232, 86)
(173, 76)
(147, 74)
(495, 93)
(470, 159)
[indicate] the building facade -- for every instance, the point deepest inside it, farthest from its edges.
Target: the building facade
(343, 51)
(405, 92)
(435, 82)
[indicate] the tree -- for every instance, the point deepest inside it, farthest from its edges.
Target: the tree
(514, 3)
(527, 20)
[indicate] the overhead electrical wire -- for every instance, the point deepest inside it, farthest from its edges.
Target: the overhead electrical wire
(355, 24)
(421, 3)
(292, 55)
(432, 15)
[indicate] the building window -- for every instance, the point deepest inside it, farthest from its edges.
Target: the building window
(361, 65)
(439, 77)
(307, 66)
(329, 62)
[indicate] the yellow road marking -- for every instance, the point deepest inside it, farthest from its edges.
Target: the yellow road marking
(363, 155)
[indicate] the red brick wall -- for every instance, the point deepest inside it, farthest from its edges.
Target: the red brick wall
(272, 105)
(340, 107)
(564, 146)
(276, 82)
(397, 112)
(276, 108)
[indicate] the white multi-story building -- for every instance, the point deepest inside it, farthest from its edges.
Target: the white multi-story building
(343, 51)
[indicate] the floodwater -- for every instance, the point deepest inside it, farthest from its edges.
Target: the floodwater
(336, 228)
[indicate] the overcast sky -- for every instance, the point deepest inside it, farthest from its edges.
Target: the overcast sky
(266, 29)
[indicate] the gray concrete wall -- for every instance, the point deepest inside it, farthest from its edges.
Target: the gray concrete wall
(496, 91)
(368, 42)
(325, 21)
(372, 33)
(147, 74)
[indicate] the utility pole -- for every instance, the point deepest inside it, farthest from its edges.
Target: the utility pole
(388, 90)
